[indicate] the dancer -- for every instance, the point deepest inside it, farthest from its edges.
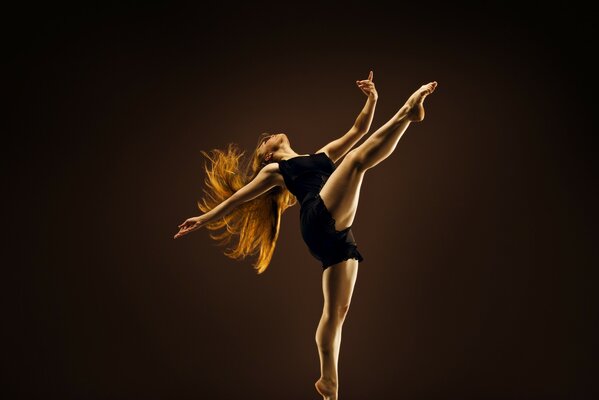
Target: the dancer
(247, 207)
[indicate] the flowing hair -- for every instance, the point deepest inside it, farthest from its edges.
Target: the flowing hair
(252, 227)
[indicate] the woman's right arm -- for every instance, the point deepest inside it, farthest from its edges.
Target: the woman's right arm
(267, 178)
(339, 147)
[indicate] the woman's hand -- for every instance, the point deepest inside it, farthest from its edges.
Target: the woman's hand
(367, 86)
(190, 225)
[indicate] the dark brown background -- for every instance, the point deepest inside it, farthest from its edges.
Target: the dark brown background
(477, 232)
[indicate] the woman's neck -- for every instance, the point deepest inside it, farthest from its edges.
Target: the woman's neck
(284, 153)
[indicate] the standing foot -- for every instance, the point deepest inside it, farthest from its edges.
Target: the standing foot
(415, 108)
(327, 389)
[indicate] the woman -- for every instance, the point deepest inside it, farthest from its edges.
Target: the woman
(249, 207)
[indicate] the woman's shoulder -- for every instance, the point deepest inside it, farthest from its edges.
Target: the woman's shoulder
(271, 167)
(272, 171)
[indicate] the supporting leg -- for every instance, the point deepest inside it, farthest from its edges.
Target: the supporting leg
(337, 284)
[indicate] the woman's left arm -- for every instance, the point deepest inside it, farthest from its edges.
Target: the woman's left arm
(267, 178)
(339, 147)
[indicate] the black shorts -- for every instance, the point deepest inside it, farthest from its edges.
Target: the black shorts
(318, 231)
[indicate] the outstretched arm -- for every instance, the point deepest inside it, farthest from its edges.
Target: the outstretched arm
(267, 178)
(339, 147)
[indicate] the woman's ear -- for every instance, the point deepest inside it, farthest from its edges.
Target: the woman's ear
(268, 157)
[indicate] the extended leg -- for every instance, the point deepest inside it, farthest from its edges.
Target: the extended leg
(337, 287)
(342, 190)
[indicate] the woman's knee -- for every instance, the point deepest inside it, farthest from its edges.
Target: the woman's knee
(357, 159)
(342, 311)
(337, 314)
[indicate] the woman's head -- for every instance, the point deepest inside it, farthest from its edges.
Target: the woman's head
(268, 145)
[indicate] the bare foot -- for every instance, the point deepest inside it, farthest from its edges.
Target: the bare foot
(414, 103)
(326, 388)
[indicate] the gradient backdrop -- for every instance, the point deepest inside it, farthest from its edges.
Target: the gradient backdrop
(477, 232)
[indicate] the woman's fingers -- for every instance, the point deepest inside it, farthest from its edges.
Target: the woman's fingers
(369, 79)
(187, 221)
(367, 86)
(190, 225)
(182, 232)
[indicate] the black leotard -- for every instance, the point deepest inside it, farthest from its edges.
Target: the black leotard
(304, 177)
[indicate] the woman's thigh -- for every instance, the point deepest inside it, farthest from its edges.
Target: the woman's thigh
(341, 192)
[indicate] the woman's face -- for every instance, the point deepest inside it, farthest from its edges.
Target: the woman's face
(271, 144)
